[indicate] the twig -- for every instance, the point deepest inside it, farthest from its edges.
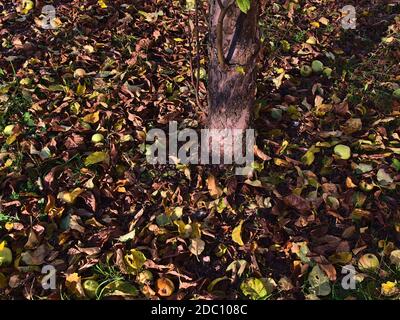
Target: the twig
(197, 36)
(220, 32)
(195, 83)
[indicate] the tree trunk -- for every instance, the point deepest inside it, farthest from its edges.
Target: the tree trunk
(232, 88)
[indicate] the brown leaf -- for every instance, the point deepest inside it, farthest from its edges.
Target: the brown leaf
(213, 188)
(298, 203)
(329, 270)
(342, 108)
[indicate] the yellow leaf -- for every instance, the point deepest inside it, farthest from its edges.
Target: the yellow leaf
(70, 197)
(237, 234)
(241, 70)
(315, 24)
(96, 157)
(11, 139)
(9, 226)
(74, 285)
(135, 260)
(8, 163)
(121, 190)
(102, 4)
(92, 117)
(75, 107)
(311, 40)
(27, 6)
(185, 230)
(389, 288)
(80, 91)
(341, 258)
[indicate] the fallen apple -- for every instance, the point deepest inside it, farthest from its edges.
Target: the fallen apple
(368, 262)
(396, 94)
(8, 130)
(306, 71)
(165, 287)
(5, 257)
(317, 66)
(97, 138)
(328, 72)
(90, 288)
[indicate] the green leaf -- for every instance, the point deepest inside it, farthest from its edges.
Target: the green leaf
(120, 288)
(254, 288)
(364, 167)
(96, 157)
(237, 267)
(135, 259)
(309, 156)
(244, 5)
(396, 164)
(128, 236)
(163, 220)
(213, 283)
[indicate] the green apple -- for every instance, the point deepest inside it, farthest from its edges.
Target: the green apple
(90, 288)
(328, 72)
(306, 71)
(317, 66)
(5, 257)
(97, 138)
(8, 130)
(396, 94)
(368, 262)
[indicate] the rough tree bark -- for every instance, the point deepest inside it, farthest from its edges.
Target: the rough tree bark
(232, 84)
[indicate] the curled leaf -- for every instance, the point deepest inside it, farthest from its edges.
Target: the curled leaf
(237, 234)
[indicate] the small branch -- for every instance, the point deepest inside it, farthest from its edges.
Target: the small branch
(197, 36)
(195, 82)
(220, 32)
